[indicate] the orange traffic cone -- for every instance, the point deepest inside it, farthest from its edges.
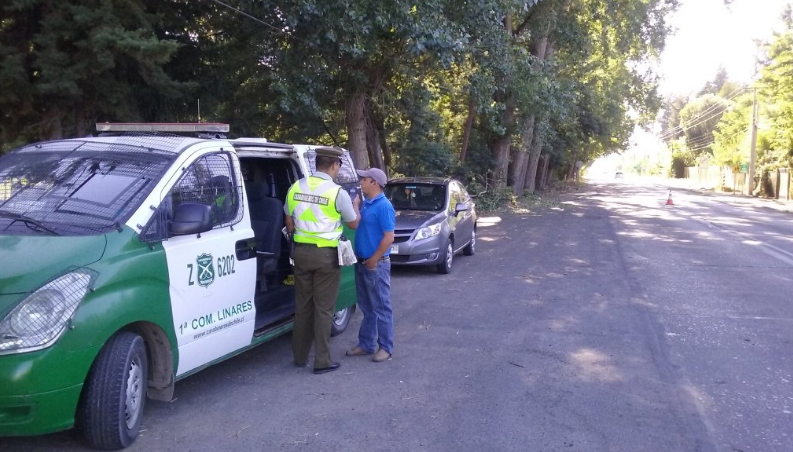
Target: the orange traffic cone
(669, 199)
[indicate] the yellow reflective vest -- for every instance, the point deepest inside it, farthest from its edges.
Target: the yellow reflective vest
(312, 206)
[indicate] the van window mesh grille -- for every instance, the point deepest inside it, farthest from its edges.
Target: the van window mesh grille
(209, 181)
(79, 187)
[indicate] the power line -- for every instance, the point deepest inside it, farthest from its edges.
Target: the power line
(688, 125)
(705, 145)
(279, 30)
(700, 139)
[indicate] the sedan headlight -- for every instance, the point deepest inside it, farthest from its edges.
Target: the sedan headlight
(428, 231)
(40, 319)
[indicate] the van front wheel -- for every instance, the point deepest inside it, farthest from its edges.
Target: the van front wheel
(115, 393)
(340, 320)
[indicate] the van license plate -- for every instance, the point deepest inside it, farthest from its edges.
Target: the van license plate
(394, 249)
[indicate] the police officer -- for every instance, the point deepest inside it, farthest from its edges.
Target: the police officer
(315, 208)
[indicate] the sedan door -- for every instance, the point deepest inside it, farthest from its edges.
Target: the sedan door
(464, 227)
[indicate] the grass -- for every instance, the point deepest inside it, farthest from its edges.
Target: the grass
(548, 198)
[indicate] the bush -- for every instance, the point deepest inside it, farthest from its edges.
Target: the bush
(490, 199)
(678, 168)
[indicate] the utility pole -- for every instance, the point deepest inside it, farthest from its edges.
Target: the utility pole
(753, 149)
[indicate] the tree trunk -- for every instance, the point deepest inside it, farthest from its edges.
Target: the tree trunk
(379, 125)
(373, 148)
(355, 120)
(501, 145)
(521, 160)
(545, 162)
(469, 123)
(528, 136)
(572, 172)
(542, 51)
(534, 157)
(52, 126)
(501, 153)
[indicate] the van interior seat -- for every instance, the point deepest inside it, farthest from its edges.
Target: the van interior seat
(267, 220)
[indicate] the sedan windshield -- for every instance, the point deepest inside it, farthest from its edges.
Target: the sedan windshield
(428, 197)
(74, 187)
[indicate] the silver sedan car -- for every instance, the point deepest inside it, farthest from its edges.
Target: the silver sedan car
(435, 219)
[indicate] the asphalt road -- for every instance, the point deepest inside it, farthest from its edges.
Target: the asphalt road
(611, 322)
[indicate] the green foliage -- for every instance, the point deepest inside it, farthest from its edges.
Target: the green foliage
(65, 65)
(491, 198)
(681, 158)
(717, 85)
(670, 118)
(289, 70)
(731, 137)
(776, 94)
(698, 120)
(600, 61)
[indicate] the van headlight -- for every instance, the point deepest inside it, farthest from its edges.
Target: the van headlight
(428, 231)
(40, 319)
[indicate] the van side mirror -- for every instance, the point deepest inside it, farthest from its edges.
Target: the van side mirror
(191, 218)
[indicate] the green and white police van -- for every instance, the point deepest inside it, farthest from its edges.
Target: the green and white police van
(134, 259)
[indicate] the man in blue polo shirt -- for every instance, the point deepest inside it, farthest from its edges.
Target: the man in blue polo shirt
(373, 240)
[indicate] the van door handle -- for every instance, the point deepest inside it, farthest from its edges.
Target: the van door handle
(245, 249)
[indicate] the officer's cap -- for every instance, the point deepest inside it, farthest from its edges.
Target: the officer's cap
(327, 151)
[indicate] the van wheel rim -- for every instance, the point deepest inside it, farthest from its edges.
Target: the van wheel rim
(134, 396)
(449, 255)
(340, 316)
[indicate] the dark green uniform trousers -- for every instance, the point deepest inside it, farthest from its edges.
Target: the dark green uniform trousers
(317, 279)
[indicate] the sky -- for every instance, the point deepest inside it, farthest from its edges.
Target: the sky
(710, 34)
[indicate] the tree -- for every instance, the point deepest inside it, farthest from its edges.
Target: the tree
(776, 93)
(670, 118)
(601, 93)
(64, 65)
(715, 86)
(498, 90)
(731, 135)
(698, 121)
(342, 55)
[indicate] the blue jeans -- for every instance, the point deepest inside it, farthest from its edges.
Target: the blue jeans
(373, 288)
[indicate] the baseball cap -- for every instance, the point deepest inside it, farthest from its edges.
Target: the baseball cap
(375, 174)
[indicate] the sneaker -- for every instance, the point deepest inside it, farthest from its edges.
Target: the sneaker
(381, 356)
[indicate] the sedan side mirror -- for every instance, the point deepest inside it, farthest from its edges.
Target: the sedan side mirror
(191, 218)
(460, 207)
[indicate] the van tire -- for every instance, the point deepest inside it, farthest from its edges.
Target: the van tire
(115, 393)
(340, 320)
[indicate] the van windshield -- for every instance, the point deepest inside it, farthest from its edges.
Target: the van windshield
(74, 187)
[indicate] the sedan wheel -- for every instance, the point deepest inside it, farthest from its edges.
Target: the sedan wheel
(445, 267)
(470, 249)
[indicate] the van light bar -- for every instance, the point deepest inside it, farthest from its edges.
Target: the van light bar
(162, 127)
